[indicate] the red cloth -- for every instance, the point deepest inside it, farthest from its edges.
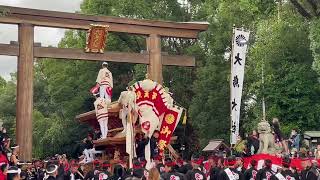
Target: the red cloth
(95, 89)
(109, 91)
(167, 128)
(3, 159)
(66, 166)
(277, 161)
(207, 167)
(2, 176)
(152, 98)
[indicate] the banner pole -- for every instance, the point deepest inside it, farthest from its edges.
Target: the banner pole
(231, 61)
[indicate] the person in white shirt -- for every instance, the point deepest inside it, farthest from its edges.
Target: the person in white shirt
(105, 82)
(101, 108)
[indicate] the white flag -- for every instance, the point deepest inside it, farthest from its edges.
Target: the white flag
(239, 50)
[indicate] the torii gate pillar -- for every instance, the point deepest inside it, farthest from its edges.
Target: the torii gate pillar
(155, 61)
(25, 91)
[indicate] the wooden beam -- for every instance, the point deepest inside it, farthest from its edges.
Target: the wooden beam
(9, 50)
(25, 92)
(79, 21)
(70, 53)
(155, 64)
(84, 25)
(36, 44)
(202, 26)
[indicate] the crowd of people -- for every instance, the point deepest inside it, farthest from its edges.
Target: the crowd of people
(92, 166)
(198, 168)
(249, 145)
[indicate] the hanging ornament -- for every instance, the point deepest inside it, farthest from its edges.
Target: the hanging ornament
(184, 121)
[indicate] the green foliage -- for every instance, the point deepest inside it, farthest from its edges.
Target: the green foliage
(315, 43)
(210, 110)
(8, 105)
(291, 86)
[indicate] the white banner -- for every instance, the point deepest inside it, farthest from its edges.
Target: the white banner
(239, 50)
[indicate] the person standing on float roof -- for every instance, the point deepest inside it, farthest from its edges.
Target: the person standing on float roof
(101, 109)
(105, 82)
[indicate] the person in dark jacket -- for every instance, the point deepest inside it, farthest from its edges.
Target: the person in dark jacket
(170, 174)
(74, 173)
(285, 173)
(118, 173)
(266, 172)
(311, 172)
(278, 134)
(231, 172)
(240, 164)
(141, 143)
(51, 172)
(214, 172)
(13, 173)
(106, 170)
(251, 173)
(195, 173)
(154, 144)
(253, 143)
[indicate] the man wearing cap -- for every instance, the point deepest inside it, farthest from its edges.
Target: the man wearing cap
(286, 173)
(51, 172)
(105, 82)
(266, 172)
(13, 173)
(170, 174)
(195, 173)
(101, 109)
(231, 172)
(251, 173)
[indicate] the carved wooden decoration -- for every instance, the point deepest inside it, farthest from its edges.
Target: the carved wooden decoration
(96, 38)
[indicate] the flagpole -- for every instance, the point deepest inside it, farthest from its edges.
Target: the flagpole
(233, 32)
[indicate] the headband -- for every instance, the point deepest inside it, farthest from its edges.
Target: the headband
(170, 164)
(106, 165)
(14, 147)
(136, 166)
(197, 161)
(24, 163)
(14, 171)
(54, 170)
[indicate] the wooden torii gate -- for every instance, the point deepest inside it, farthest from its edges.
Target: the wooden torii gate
(26, 52)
